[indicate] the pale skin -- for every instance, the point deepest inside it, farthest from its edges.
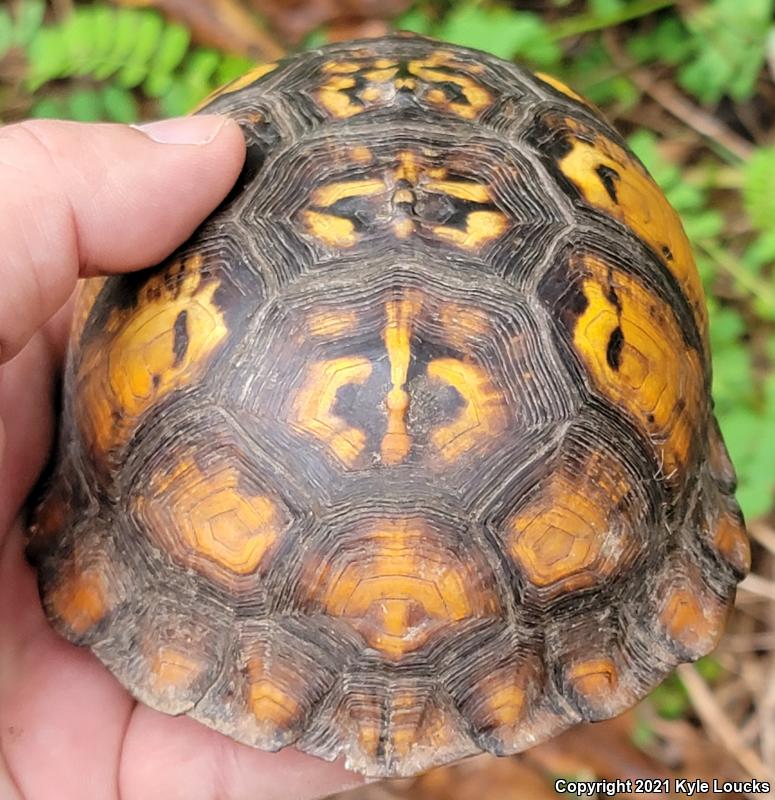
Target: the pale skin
(80, 200)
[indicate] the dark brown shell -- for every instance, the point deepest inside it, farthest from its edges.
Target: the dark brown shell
(409, 452)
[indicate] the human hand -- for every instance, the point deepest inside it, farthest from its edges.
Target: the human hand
(81, 200)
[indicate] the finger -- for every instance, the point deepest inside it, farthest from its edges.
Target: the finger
(80, 199)
(169, 757)
(26, 424)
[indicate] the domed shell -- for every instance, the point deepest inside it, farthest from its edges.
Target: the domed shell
(409, 452)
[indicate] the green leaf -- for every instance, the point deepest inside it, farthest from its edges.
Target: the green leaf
(600, 83)
(669, 43)
(78, 31)
(415, 20)
(85, 105)
(606, 8)
(500, 31)
(135, 69)
(119, 104)
(758, 180)
(47, 56)
(48, 108)
(6, 31)
(730, 39)
(670, 698)
(126, 23)
(230, 67)
(29, 18)
(178, 100)
(172, 49)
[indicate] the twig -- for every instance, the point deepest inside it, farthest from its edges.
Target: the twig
(763, 534)
(755, 584)
(717, 722)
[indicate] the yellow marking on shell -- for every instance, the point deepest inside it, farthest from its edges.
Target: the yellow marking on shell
(335, 101)
(396, 726)
(211, 516)
(325, 196)
(731, 541)
(640, 204)
(506, 704)
(242, 82)
(659, 381)
(461, 324)
(81, 599)
(501, 698)
(396, 443)
(561, 87)
(313, 406)
(403, 586)
(269, 701)
(371, 94)
(171, 668)
(361, 154)
(465, 190)
(88, 291)
(408, 168)
(693, 618)
(380, 75)
(596, 680)
(560, 537)
(416, 724)
(406, 83)
(331, 323)
(483, 415)
(330, 229)
(341, 66)
(403, 196)
(134, 365)
(477, 97)
(481, 227)
(403, 228)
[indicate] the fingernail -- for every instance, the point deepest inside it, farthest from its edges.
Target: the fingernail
(184, 130)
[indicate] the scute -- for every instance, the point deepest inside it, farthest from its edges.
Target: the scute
(408, 452)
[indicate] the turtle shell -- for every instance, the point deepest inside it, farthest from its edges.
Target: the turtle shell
(409, 452)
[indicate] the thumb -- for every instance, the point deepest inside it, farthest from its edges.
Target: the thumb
(80, 199)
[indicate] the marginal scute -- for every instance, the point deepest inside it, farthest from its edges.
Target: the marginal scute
(269, 696)
(596, 682)
(172, 668)
(561, 87)
(690, 616)
(80, 599)
(731, 541)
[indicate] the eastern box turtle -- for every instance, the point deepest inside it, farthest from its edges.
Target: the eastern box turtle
(409, 452)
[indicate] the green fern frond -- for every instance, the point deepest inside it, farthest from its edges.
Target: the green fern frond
(124, 55)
